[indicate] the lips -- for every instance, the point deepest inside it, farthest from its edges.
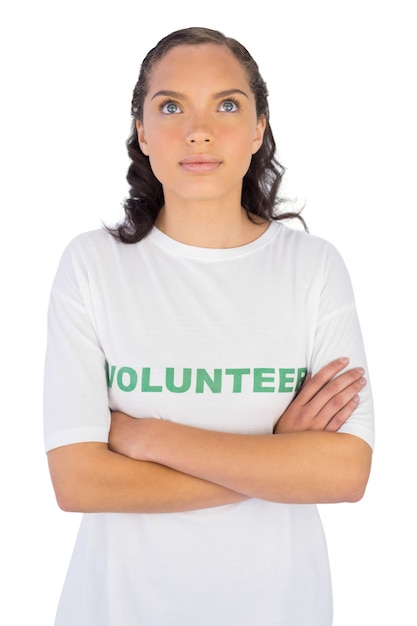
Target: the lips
(199, 164)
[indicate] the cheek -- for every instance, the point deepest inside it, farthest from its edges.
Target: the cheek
(160, 141)
(162, 157)
(242, 141)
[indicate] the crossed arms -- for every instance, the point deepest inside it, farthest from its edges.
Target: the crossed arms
(156, 466)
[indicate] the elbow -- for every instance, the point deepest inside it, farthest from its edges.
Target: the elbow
(343, 490)
(73, 471)
(358, 473)
(356, 492)
(68, 501)
(349, 474)
(359, 485)
(64, 504)
(68, 496)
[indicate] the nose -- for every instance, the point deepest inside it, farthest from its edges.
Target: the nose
(202, 137)
(199, 133)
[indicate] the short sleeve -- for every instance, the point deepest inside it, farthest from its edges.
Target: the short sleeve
(338, 334)
(75, 384)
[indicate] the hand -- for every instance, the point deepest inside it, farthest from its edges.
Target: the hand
(128, 435)
(324, 402)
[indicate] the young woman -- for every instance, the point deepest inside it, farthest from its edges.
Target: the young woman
(205, 371)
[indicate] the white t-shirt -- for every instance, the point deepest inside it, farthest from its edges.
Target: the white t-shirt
(218, 339)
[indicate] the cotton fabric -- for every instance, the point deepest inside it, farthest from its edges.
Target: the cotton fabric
(215, 338)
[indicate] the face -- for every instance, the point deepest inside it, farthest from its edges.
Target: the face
(200, 127)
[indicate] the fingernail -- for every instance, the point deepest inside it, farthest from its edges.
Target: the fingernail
(360, 370)
(356, 399)
(344, 360)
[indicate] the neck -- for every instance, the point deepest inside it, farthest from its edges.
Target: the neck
(209, 226)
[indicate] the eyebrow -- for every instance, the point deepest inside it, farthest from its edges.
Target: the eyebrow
(179, 96)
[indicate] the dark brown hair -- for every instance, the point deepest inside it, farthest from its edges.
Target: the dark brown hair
(260, 183)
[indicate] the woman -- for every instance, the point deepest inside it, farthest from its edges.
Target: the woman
(229, 335)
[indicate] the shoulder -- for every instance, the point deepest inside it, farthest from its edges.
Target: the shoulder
(93, 239)
(305, 246)
(92, 248)
(84, 256)
(312, 259)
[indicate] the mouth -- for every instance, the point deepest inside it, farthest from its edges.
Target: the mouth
(199, 164)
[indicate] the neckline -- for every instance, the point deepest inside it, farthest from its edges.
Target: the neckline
(162, 240)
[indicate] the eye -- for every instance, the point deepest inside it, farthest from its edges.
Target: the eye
(229, 106)
(168, 107)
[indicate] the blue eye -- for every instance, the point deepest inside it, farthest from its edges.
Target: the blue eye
(169, 107)
(229, 106)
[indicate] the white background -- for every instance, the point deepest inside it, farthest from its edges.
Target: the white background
(342, 78)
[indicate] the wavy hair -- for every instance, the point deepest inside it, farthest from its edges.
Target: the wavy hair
(261, 182)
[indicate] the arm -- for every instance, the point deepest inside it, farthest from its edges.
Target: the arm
(305, 461)
(86, 475)
(299, 468)
(89, 478)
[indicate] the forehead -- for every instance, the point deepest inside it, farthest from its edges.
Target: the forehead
(198, 64)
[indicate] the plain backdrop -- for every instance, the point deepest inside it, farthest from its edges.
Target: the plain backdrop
(342, 82)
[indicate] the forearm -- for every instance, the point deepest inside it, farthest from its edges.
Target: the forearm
(303, 467)
(90, 478)
(305, 461)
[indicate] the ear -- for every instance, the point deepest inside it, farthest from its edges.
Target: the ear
(259, 134)
(141, 137)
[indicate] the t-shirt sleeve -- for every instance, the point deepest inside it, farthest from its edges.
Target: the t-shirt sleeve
(75, 384)
(338, 334)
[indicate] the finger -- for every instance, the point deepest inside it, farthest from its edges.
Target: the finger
(338, 391)
(342, 416)
(321, 378)
(304, 383)
(340, 406)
